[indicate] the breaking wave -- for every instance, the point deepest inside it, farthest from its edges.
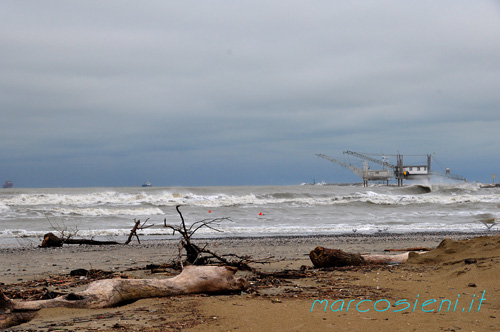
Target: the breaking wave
(109, 203)
(255, 211)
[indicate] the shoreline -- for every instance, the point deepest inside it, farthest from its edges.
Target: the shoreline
(31, 262)
(152, 239)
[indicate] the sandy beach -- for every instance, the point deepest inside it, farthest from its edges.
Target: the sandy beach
(452, 288)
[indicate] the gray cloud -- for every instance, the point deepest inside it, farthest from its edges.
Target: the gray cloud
(206, 93)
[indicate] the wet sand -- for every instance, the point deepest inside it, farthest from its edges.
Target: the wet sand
(281, 303)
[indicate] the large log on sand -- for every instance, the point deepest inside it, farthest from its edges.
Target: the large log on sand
(112, 292)
(50, 240)
(324, 257)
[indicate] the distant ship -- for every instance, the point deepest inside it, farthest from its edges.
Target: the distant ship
(147, 184)
(8, 184)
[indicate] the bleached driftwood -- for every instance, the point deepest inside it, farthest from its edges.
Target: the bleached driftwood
(112, 292)
(324, 257)
(386, 259)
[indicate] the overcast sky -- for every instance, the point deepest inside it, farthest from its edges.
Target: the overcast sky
(192, 93)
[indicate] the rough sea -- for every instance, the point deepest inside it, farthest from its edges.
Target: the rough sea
(253, 211)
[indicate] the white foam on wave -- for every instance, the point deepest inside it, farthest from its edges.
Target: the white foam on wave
(3, 207)
(114, 198)
(219, 200)
(96, 198)
(96, 212)
(385, 199)
(170, 198)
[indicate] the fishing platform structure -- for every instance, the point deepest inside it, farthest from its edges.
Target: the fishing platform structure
(399, 171)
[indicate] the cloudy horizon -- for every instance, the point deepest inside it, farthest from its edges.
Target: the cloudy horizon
(196, 93)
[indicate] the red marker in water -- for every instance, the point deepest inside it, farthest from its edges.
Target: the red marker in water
(209, 211)
(260, 213)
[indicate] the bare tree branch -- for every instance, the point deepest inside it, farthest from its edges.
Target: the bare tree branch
(137, 227)
(195, 253)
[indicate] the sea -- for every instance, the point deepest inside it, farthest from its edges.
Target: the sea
(246, 211)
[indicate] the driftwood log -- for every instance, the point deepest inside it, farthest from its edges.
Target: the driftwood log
(324, 257)
(113, 292)
(51, 240)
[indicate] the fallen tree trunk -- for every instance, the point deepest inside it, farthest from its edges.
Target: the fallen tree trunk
(324, 257)
(51, 240)
(113, 292)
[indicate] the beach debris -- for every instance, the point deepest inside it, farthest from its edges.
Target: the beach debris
(112, 292)
(197, 255)
(15, 318)
(79, 272)
(50, 240)
(39, 289)
(285, 274)
(325, 257)
(137, 226)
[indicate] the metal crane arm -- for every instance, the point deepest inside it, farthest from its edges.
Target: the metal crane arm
(362, 156)
(351, 167)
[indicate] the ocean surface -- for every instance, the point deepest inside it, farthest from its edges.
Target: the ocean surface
(253, 211)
